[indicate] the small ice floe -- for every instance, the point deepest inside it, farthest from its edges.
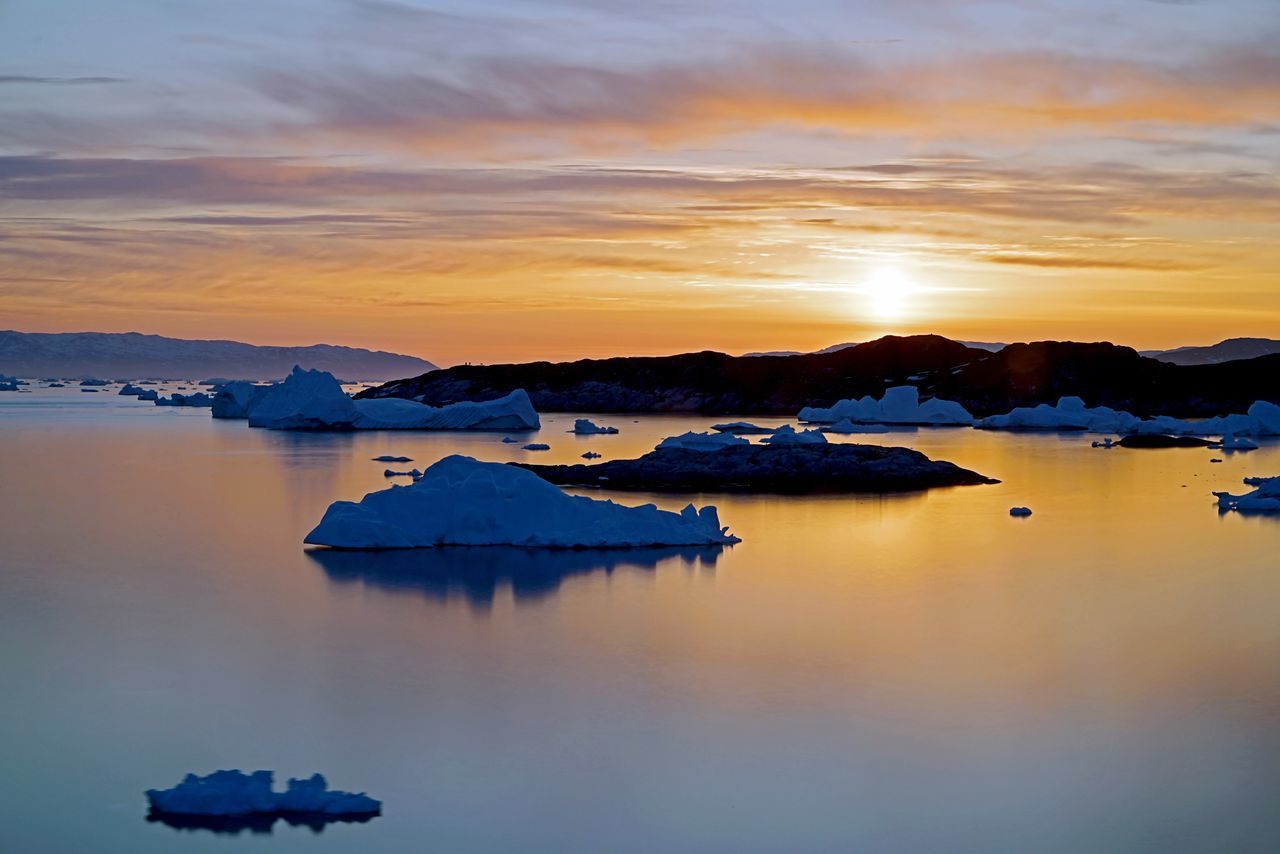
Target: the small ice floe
(413, 473)
(1019, 511)
(788, 435)
(1106, 443)
(587, 427)
(93, 390)
(846, 427)
(94, 382)
(742, 428)
(591, 455)
(461, 501)
(390, 458)
(1232, 442)
(130, 390)
(899, 405)
(509, 440)
(233, 793)
(692, 441)
(1265, 498)
(536, 446)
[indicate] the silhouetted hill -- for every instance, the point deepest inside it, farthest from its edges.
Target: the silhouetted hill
(1224, 351)
(985, 382)
(131, 355)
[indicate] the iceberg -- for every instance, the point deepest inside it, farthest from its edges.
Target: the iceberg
(314, 400)
(176, 399)
(899, 405)
(587, 427)
(461, 501)
(845, 426)
(514, 411)
(1265, 498)
(1232, 442)
(413, 473)
(234, 399)
(536, 446)
(742, 428)
(591, 455)
(1070, 413)
(233, 793)
(130, 390)
(787, 435)
(702, 441)
(388, 458)
(1020, 511)
(306, 400)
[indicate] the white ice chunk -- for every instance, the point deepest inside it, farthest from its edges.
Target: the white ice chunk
(460, 501)
(701, 441)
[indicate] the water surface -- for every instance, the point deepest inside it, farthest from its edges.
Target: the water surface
(873, 673)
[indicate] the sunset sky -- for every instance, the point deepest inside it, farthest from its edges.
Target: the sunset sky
(475, 180)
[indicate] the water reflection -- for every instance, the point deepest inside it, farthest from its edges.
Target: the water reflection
(258, 824)
(477, 572)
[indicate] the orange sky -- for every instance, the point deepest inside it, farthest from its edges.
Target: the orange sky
(465, 183)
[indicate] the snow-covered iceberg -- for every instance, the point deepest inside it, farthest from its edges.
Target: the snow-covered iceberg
(1265, 498)
(1070, 413)
(702, 441)
(233, 793)
(787, 435)
(899, 405)
(234, 399)
(461, 501)
(514, 411)
(587, 427)
(314, 400)
(178, 399)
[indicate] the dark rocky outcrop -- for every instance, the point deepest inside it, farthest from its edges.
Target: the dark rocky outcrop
(986, 383)
(768, 469)
(1158, 440)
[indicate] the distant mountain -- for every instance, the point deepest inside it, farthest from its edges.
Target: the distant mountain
(131, 355)
(985, 382)
(1224, 351)
(989, 346)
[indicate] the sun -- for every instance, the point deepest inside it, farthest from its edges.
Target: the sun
(888, 293)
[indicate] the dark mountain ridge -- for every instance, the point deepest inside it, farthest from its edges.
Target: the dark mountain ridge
(986, 383)
(133, 355)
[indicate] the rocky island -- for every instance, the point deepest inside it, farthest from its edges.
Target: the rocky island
(788, 468)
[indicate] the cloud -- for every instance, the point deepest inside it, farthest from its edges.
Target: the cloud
(59, 81)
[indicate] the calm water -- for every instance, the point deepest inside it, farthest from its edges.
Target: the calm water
(911, 673)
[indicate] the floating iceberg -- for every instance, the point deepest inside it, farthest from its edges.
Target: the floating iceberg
(743, 428)
(198, 399)
(899, 405)
(460, 501)
(413, 473)
(536, 446)
(702, 441)
(1264, 499)
(388, 458)
(1019, 511)
(1232, 442)
(511, 412)
(591, 455)
(845, 426)
(1070, 413)
(233, 793)
(787, 435)
(587, 427)
(306, 400)
(130, 390)
(234, 399)
(314, 400)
